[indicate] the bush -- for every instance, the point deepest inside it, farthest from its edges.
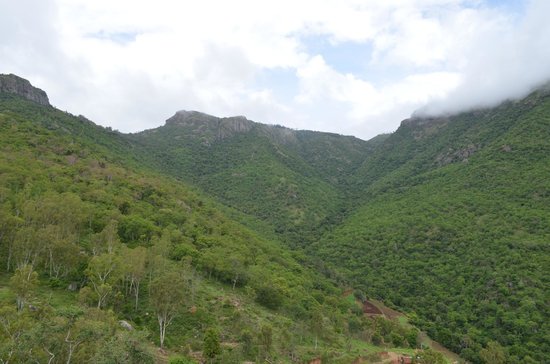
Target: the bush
(55, 282)
(377, 339)
(360, 295)
(269, 296)
(180, 360)
(211, 345)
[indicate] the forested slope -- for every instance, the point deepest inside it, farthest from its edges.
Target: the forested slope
(455, 228)
(89, 237)
(294, 181)
(447, 219)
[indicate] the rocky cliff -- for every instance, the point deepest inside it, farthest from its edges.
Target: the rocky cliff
(19, 86)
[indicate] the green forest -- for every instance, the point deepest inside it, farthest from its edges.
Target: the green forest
(227, 241)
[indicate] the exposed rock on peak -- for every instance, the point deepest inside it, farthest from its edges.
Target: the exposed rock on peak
(21, 87)
(208, 126)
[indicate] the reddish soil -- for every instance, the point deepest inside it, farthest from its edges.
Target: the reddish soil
(370, 308)
(388, 312)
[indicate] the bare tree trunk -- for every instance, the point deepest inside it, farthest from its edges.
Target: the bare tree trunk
(162, 329)
(136, 292)
(235, 280)
(51, 261)
(52, 355)
(72, 346)
(10, 251)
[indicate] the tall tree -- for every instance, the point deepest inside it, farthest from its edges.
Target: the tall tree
(316, 324)
(134, 270)
(103, 270)
(23, 283)
(167, 298)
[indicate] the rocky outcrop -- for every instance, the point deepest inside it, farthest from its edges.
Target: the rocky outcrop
(126, 325)
(233, 125)
(210, 128)
(460, 155)
(16, 85)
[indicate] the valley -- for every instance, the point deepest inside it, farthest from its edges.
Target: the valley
(226, 240)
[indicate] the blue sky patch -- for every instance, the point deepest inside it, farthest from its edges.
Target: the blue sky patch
(281, 81)
(344, 57)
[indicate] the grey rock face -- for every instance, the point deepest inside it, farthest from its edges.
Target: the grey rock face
(126, 325)
(211, 128)
(19, 86)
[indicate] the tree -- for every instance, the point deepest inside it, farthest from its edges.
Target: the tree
(430, 356)
(167, 297)
(63, 256)
(134, 270)
(103, 270)
(211, 346)
(269, 296)
(13, 343)
(493, 354)
(107, 240)
(27, 248)
(23, 283)
(135, 229)
(237, 268)
(288, 341)
(8, 229)
(316, 324)
(125, 348)
(138, 258)
(92, 328)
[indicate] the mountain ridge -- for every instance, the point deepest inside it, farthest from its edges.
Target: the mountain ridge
(446, 218)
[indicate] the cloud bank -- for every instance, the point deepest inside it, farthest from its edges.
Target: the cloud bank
(346, 66)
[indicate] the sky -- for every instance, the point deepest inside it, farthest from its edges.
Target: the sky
(354, 67)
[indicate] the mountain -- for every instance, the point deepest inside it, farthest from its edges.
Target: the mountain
(104, 259)
(293, 180)
(454, 227)
(447, 219)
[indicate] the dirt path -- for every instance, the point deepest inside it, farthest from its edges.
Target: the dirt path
(438, 347)
(370, 308)
(393, 314)
(388, 312)
(374, 307)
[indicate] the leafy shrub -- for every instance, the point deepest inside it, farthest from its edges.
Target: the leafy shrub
(180, 360)
(269, 296)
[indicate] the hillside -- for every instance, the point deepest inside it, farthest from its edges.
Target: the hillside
(105, 260)
(263, 228)
(446, 218)
(454, 228)
(293, 180)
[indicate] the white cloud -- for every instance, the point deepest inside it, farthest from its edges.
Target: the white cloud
(131, 63)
